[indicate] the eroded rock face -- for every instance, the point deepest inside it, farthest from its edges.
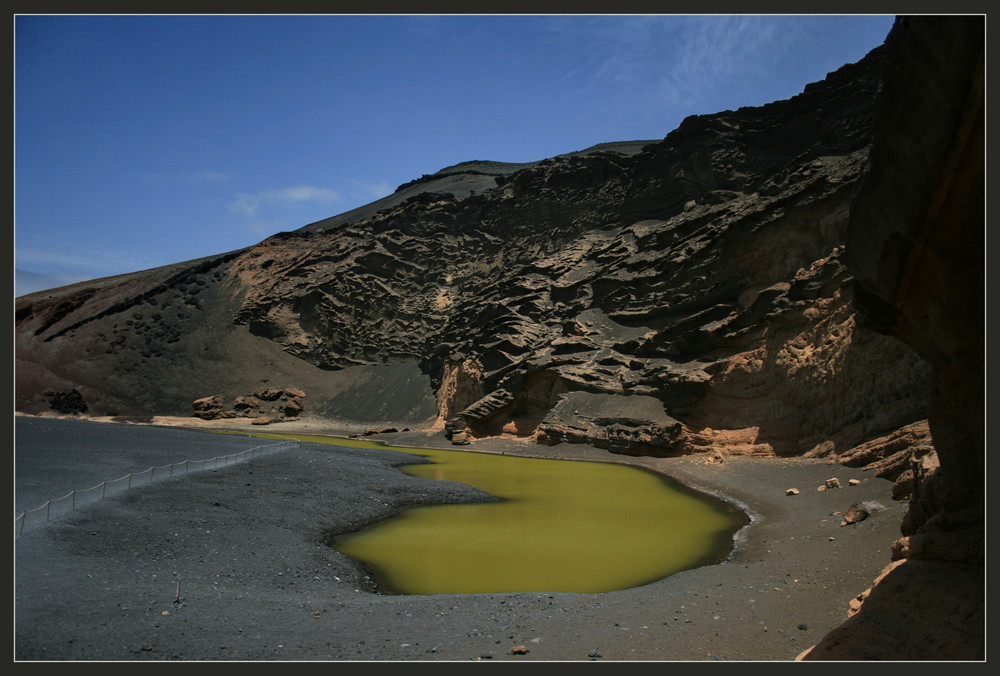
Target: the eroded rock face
(916, 246)
(461, 386)
(704, 271)
(895, 457)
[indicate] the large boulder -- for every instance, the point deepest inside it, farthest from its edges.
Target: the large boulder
(208, 408)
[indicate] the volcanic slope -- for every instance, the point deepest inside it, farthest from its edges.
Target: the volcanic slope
(657, 297)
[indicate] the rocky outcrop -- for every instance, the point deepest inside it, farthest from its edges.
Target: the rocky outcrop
(632, 425)
(702, 275)
(895, 457)
(660, 273)
(208, 408)
(916, 245)
(461, 386)
(264, 406)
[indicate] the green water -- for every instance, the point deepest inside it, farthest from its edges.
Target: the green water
(562, 526)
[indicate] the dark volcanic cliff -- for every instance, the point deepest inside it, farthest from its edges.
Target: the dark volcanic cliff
(916, 245)
(661, 297)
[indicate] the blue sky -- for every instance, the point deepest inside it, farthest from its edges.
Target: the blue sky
(147, 140)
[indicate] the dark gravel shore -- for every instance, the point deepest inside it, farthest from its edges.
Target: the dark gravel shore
(230, 564)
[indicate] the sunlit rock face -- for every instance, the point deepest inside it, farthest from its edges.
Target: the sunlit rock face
(916, 249)
(657, 297)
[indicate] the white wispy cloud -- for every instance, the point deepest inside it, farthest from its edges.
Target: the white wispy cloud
(718, 52)
(250, 204)
(681, 62)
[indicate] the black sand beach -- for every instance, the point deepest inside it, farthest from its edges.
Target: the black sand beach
(230, 564)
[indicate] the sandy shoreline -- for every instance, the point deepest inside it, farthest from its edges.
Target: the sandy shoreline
(244, 547)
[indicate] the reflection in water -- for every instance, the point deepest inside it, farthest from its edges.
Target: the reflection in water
(563, 526)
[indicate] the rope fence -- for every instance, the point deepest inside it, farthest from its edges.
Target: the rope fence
(53, 509)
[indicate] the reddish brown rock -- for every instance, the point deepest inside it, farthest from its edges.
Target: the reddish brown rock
(292, 408)
(888, 456)
(246, 405)
(276, 405)
(208, 408)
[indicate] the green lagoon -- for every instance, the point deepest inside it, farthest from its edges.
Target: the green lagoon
(561, 526)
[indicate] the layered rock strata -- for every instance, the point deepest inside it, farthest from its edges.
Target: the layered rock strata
(665, 297)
